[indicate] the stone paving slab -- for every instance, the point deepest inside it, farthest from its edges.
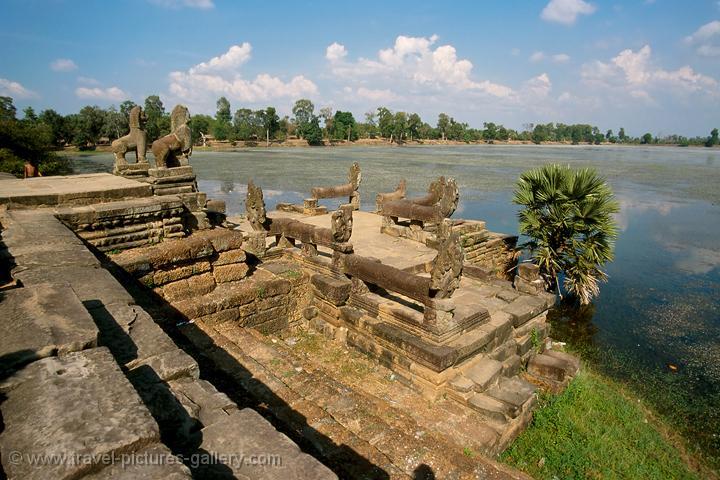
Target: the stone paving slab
(78, 406)
(42, 320)
(247, 433)
(70, 190)
(152, 463)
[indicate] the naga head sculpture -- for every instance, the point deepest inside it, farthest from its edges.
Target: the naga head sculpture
(341, 223)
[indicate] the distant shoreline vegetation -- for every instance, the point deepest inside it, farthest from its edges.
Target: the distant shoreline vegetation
(93, 126)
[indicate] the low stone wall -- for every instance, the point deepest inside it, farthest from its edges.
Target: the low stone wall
(494, 253)
(206, 277)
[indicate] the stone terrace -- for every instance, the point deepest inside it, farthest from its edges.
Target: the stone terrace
(197, 344)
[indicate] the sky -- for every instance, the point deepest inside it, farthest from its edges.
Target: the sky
(646, 65)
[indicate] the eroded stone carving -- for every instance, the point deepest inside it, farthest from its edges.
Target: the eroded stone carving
(447, 267)
(341, 223)
(174, 149)
(398, 194)
(135, 141)
(255, 207)
(349, 189)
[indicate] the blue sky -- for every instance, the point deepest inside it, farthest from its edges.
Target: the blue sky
(642, 64)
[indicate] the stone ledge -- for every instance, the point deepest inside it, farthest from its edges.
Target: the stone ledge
(40, 321)
(80, 404)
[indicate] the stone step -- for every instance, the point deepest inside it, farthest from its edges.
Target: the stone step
(40, 321)
(79, 405)
(514, 392)
(384, 435)
(484, 373)
(492, 408)
(245, 434)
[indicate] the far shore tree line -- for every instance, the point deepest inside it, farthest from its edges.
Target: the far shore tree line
(93, 125)
(33, 136)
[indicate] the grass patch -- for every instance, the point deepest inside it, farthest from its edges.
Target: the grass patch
(594, 430)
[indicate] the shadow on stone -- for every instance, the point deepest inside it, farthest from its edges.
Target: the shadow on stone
(234, 380)
(180, 432)
(423, 472)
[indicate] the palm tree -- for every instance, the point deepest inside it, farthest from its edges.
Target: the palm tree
(568, 218)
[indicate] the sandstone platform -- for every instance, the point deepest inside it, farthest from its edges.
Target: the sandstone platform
(83, 189)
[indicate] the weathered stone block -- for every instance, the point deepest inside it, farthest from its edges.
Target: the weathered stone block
(334, 290)
(42, 320)
(161, 277)
(187, 288)
(551, 367)
(246, 431)
(223, 240)
(483, 373)
(222, 316)
(47, 413)
(231, 256)
(151, 463)
(513, 391)
(230, 273)
(525, 308)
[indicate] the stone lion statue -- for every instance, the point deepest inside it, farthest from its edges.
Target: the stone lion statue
(135, 141)
(174, 149)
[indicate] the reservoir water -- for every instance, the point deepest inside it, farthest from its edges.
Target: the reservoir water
(656, 323)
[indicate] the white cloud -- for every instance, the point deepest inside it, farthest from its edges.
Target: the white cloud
(232, 59)
(414, 60)
(111, 93)
(556, 58)
(63, 65)
(376, 95)
(87, 80)
(335, 52)
(538, 87)
(707, 38)
(221, 76)
(537, 57)
(201, 4)
(12, 89)
(566, 11)
(635, 72)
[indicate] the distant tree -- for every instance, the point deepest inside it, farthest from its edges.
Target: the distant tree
(608, 135)
(270, 123)
(7, 109)
(91, 121)
(25, 141)
(125, 108)
(414, 122)
(539, 134)
(304, 112)
(490, 132)
(713, 138)
(158, 122)
(343, 126)
(200, 125)
(599, 137)
(326, 114)
(568, 217)
(313, 132)
(443, 123)
(621, 134)
(57, 125)
(385, 122)
(222, 128)
(400, 126)
(115, 123)
(646, 139)
(29, 115)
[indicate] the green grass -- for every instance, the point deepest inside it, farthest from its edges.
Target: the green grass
(594, 430)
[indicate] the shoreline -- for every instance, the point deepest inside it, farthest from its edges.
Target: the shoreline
(217, 146)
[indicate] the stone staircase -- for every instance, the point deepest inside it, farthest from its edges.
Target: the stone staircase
(337, 415)
(92, 387)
